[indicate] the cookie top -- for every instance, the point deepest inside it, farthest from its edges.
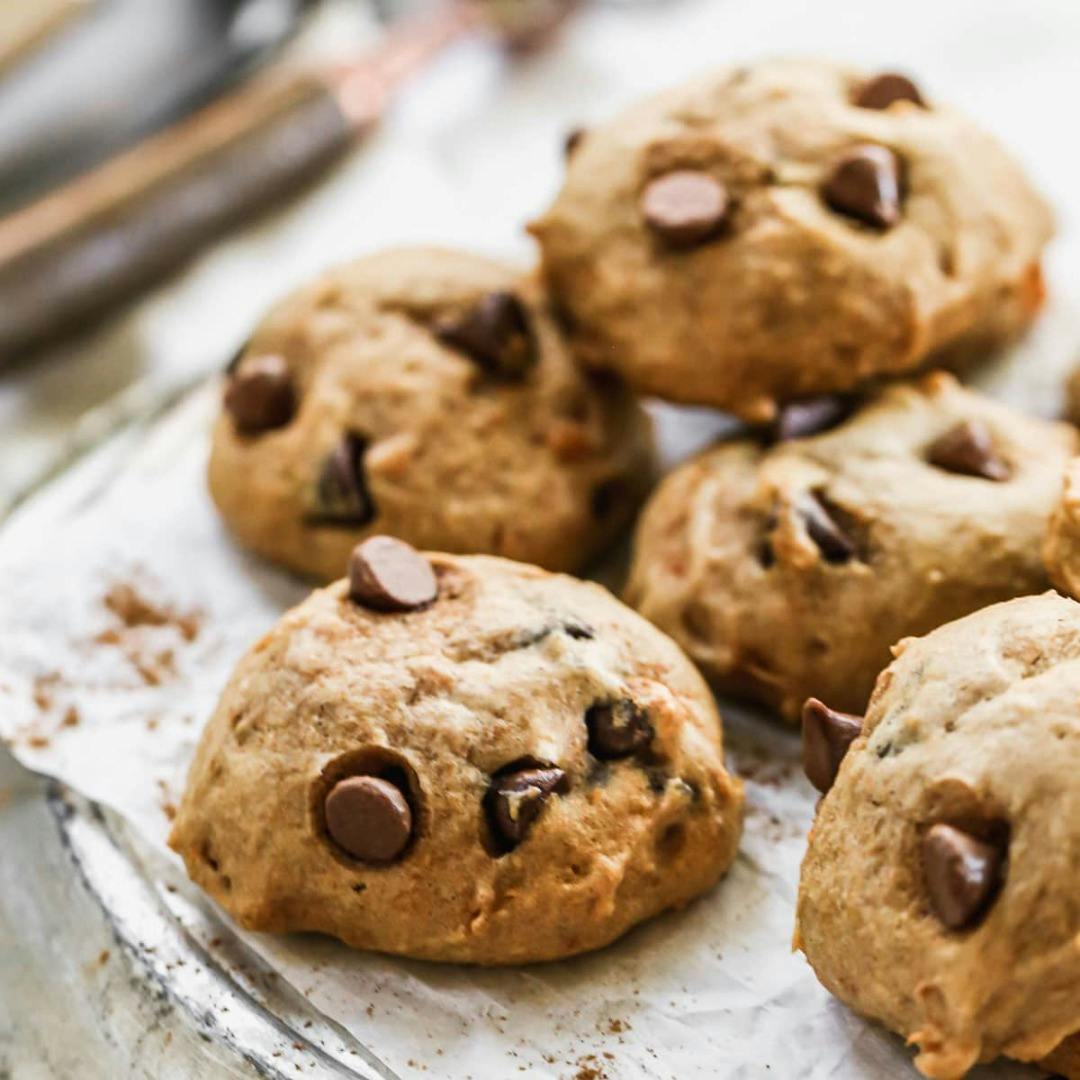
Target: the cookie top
(939, 892)
(786, 229)
(788, 569)
(460, 759)
(426, 394)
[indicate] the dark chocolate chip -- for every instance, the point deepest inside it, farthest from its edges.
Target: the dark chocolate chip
(573, 140)
(368, 818)
(968, 448)
(495, 332)
(389, 575)
(826, 736)
(685, 208)
(882, 90)
(579, 631)
(608, 495)
(514, 801)
(341, 495)
(962, 874)
(865, 184)
(833, 543)
(260, 394)
(811, 416)
(617, 728)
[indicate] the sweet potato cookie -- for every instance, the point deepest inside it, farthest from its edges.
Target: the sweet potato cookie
(787, 569)
(459, 759)
(786, 229)
(938, 893)
(426, 394)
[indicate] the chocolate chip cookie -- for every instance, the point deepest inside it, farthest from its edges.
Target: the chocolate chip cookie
(938, 894)
(459, 758)
(426, 394)
(787, 566)
(787, 229)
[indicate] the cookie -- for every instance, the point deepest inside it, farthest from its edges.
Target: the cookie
(788, 568)
(463, 759)
(788, 229)
(426, 394)
(939, 891)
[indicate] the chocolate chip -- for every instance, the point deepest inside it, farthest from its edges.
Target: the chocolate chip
(685, 208)
(833, 543)
(389, 575)
(495, 332)
(573, 140)
(514, 801)
(617, 728)
(341, 495)
(811, 416)
(882, 90)
(826, 736)
(368, 818)
(968, 448)
(962, 874)
(260, 394)
(579, 631)
(608, 495)
(865, 184)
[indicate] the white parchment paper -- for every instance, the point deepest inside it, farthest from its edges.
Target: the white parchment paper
(125, 606)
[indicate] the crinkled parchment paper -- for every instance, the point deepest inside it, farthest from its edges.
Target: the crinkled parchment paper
(125, 605)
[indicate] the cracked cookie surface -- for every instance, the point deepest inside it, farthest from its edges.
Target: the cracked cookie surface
(518, 769)
(788, 570)
(426, 394)
(938, 894)
(788, 229)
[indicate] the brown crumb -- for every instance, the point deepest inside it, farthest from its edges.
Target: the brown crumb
(71, 717)
(37, 741)
(44, 689)
(103, 957)
(133, 609)
(617, 1027)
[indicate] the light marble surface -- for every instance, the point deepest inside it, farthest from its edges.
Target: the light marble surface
(470, 153)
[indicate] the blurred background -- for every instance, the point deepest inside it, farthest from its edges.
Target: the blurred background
(169, 167)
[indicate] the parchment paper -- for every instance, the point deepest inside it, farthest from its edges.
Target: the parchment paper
(124, 607)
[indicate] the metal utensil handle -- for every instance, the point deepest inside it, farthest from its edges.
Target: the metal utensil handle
(105, 236)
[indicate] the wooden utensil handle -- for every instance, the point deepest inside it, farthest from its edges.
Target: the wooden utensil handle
(106, 235)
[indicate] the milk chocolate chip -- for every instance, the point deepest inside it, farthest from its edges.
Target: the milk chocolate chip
(389, 575)
(826, 736)
(865, 184)
(684, 208)
(260, 395)
(617, 728)
(495, 332)
(833, 543)
(962, 874)
(968, 448)
(882, 90)
(514, 801)
(341, 495)
(368, 818)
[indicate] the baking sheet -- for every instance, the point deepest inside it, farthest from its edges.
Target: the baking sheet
(124, 607)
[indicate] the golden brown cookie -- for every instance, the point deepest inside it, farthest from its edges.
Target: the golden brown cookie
(938, 893)
(786, 229)
(461, 759)
(426, 394)
(788, 568)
